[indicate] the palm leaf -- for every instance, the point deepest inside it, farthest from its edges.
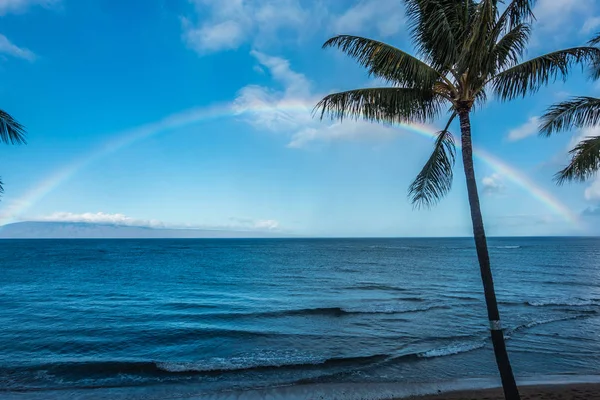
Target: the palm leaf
(474, 54)
(595, 41)
(435, 179)
(510, 47)
(516, 13)
(385, 61)
(11, 131)
(577, 112)
(387, 105)
(529, 76)
(585, 161)
(437, 28)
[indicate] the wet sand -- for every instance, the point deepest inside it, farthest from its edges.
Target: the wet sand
(537, 392)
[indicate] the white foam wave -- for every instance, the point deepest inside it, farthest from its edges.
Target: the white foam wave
(392, 309)
(451, 349)
(239, 363)
(463, 347)
(509, 332)
(569, 302)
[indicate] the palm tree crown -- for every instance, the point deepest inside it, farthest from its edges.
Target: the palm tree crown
(577, 112)
(466, 48)
(11, 132)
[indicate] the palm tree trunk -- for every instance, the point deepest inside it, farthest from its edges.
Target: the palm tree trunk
(511, 392)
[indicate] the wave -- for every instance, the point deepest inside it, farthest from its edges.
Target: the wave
(531, 324)
(459, 297)
(261, 362)
(414, 299)
(398, 247)
(452, 349)
(505, 247)
(375, 286)
(392, 309)
(190, 306)
(573, 302)
(213, 366)
(466, 346)
(322, 311)
(332, 311)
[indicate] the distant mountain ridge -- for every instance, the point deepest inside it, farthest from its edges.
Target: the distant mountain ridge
(83, 230)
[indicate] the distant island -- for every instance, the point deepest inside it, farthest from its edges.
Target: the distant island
(81, 230)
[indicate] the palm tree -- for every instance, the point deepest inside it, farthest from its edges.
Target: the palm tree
(577, 112)
(11, 132)
(466, 48)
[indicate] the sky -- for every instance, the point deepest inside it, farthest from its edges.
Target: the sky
(197, 114)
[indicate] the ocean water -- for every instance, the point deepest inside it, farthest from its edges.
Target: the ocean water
(228, 318)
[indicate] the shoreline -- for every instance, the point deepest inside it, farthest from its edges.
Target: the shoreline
(550, 387)
(468, 388)
(574, 391)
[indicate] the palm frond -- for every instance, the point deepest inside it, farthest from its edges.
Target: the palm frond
(577, 112)
(585, 161)
(517, 12)
(385, 61)
(1, 187)
(595, 41)
(435, 179)
(510, 47)
(481, 98)
(529, 76)
(437, 28)
(387, 105)
(474, 55)
(11, 131)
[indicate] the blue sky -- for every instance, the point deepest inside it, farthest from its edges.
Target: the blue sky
(243, 75)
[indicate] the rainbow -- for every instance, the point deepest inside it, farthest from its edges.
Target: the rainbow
(283, 110)
(513, 175)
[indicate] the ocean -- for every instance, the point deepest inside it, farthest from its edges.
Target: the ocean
(231, 318)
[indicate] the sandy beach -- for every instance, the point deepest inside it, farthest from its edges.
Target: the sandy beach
(537, 392)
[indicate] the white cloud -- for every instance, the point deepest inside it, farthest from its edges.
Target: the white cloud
(591, 212)
(249, 223)
(492, 184)
(349, 130)
(590, 25)
(592, 192)
(8, 48)
(552, 14)
(222, 36)
(556, 19)
(240, 224)
(529, 128)
(386, 17)
(100, 218)
(15, 6)
(218, 25)
(227, 24)
(583, 134)
(289, 109)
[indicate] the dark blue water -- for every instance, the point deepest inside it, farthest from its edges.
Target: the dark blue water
(208, 316)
